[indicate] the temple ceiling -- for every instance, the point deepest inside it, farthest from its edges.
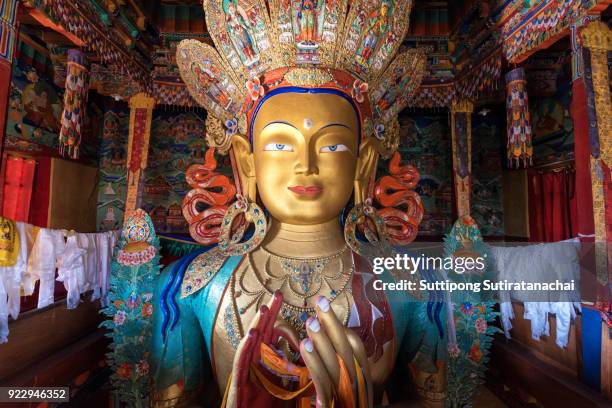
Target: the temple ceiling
(466, 41)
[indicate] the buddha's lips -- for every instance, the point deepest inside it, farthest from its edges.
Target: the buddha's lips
(306, 191)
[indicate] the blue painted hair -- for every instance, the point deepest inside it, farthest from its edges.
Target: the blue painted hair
(302, 90)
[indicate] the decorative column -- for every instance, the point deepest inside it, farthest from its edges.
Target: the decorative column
(582, 146)
(141, 113)
(597, 46)
(461, 126)
(75, 104)
(8, 39)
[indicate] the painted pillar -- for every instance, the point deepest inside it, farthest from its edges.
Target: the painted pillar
(582, 146)
(461, 127)
(588, 355)
(141, 114)
(8, 38)
(597, 45)
(597, 49)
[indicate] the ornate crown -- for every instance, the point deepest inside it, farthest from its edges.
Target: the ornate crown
(303, 43)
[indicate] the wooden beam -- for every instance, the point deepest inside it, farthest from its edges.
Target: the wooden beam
(141, 20)
(45, 21)
(53, 37)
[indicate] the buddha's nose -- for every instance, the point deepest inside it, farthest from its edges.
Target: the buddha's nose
(307, 165)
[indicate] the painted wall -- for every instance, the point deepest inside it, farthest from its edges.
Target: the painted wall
(177, 141)
(426, 143)
(112, 187)
(553, 128)
(487, 169)
(35, 109)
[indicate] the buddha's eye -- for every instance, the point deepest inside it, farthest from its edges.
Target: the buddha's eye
(334, 148)
(278, 147)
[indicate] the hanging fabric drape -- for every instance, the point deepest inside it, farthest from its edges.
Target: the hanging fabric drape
(17, 189)
(552, 206)
(75, 104)
(520, 148)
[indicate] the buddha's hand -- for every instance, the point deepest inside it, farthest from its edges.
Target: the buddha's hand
(337, 361)
(265, 329)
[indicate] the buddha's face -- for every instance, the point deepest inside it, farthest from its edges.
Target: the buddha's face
(305, 150)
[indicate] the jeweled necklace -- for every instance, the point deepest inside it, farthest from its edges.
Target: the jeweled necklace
(304, 276)
(296, 315)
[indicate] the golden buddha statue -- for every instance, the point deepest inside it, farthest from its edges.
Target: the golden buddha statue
(282, 312)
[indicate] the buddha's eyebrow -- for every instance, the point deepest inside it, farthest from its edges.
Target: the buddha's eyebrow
(335, 124)
(281, 122)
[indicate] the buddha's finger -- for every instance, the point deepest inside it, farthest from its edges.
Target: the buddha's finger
(335, 331)
(244, 364)
(273, 307)
(318, 373)
(286, 331)
(362, 358)
(324, 347)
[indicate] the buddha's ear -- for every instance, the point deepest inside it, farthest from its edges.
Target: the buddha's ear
(246, 166)
(366, 167)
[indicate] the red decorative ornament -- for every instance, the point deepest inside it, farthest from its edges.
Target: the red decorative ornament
(211, 190)
(402, 209)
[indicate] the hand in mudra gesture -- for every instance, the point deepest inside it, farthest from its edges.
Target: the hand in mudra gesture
(333, 360)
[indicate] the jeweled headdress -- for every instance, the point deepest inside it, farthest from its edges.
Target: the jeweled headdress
(319, 44)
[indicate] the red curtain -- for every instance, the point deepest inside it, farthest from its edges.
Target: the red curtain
(552, 206)
(17, 189)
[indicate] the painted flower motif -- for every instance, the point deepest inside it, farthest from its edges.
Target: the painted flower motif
(453, 350)
(147, 296)
(142, 368)
(118, 303)
(379, 131)
(481, 309)
(147, 309)
(359, 90)
(481, 325)
(124, 370)
(255, 88)
(119, 317)
(467, 308)
(475, 353)
(231, 127)
(132, 302)
(468, 221)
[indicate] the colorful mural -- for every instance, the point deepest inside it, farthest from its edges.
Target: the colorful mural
(35, 108)
(113, 174)
(552, 126)
(488, 155)
(177, 141)
(425, 143)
